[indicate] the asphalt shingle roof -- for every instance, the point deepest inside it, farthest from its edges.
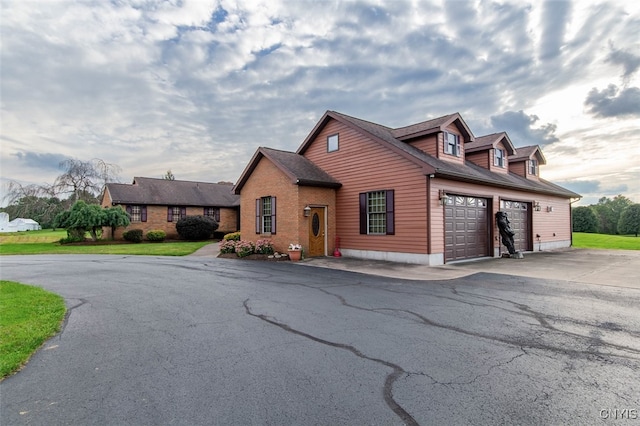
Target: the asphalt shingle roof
(299, 168)
(468, 171)
(173, 192)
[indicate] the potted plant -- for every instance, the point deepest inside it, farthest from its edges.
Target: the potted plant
(295, 252)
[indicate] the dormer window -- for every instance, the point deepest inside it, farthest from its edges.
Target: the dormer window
(332, 143)
(533, 167)
(452, 144)
(498, 157)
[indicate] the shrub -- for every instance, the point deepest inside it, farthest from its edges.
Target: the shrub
(156, 235)
(234, 236)
(133, 235)
(244, 248)
(227, 247)
(264, 246)
(219, 235)
(71, 239)
(196, 228)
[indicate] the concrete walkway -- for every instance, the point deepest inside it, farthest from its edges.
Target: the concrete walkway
(618, 268)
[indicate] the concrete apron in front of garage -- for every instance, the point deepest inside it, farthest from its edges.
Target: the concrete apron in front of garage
(605, 267)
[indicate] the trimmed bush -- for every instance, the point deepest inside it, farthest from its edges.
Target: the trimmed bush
(264, 246)
(133, 235)
(245, 248)
(156, 235)
(71, 239)
(196, 228)
(234, 236)
(227, 247)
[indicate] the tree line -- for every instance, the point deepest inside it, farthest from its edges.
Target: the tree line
(79, 181)
(609, 216)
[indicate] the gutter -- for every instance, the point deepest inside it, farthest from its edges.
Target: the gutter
(465, 178)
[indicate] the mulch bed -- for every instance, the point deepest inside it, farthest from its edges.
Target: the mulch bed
(253, 257)
(114, 242)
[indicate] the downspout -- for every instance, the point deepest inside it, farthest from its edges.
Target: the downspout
(429, 177)
(571, 218)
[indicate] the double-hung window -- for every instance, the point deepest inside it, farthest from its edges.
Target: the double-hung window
(377, 213)
(266, 215)
(452, 144)
(175, 213)
(533, 167)
(137, 213)
(498, 157)
(212, 212)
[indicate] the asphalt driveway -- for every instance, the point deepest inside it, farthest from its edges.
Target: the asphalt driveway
(200, 340)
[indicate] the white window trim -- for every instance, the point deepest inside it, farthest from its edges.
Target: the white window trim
(457, 147)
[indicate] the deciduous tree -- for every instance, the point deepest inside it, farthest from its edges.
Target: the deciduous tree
(608, 212)
(584, 220)
(81, 218)
(115, 217)
(630, 220)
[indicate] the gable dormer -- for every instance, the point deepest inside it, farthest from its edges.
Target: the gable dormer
(526, 162)
(491, 152)
(444, 137)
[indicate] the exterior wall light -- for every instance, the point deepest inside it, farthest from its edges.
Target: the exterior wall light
(443, 196)
(536, 206)
(306, 211)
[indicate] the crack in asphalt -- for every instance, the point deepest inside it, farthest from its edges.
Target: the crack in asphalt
(397, 371)
(67, 315)
(521, 310)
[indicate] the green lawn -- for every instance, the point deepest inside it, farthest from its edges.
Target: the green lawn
(30, 315)
(605, 241)
(46, 242)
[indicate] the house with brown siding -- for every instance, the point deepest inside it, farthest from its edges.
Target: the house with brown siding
(157, 204)
(425, 193)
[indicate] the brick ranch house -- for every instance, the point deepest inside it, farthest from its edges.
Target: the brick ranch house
(155, 204)
(425, 193)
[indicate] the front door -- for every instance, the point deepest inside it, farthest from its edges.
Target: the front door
(316, 232)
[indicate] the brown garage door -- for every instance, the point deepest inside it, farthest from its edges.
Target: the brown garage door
(466, 229)
(518, 213)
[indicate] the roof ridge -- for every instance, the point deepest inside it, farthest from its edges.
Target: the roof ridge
(426, 121)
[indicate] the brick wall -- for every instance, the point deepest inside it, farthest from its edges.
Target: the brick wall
(267, 180)
(157, 220)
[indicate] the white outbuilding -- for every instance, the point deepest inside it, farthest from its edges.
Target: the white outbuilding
(17, 225)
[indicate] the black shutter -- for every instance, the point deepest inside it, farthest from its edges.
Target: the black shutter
(216, 215)
(143, 213)
(183, 212)
(169, 214)
(258, 215)
(363, 213)
(273, 215)
(391, 230)
(129, 211)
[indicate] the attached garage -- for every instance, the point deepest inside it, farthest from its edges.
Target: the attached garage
(519, 214)
(466, 222)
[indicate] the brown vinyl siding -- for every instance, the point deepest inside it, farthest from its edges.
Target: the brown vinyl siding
(428, 145)
(519, 168)
(354, 166)
(481, 158)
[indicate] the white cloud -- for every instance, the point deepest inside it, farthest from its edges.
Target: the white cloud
(196, 86)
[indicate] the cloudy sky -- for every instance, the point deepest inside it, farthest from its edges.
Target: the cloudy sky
(195, 86)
